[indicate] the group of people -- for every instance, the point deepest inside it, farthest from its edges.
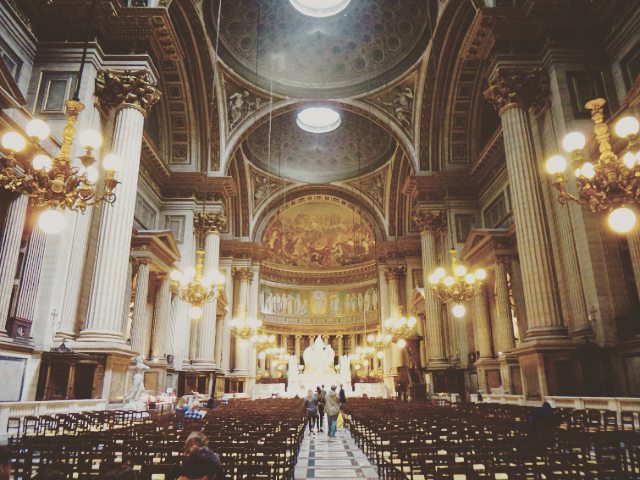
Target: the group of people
(317, 403)
(198, 462)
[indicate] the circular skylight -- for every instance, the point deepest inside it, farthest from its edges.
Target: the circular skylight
(318, 119)
(319, 8)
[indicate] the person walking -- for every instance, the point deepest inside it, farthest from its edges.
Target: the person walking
(332, 407)
(311, 410)
(321, 394)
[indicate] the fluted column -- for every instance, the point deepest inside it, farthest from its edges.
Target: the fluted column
(139, 327)
(482, 324)
(298, 347)
(505, 340)
(394, 275)
(161, 314)
(170, 342)
(340, 345)
(431, 225)
(126, 305)
(211, 225)
(31, 275)
(10, 251)
(244, 277)
(512, 93)
(634, 251)
(104, 315)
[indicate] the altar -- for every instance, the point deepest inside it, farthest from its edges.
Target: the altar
(319, 369)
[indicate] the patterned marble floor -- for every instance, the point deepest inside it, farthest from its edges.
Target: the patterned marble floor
(324, 457)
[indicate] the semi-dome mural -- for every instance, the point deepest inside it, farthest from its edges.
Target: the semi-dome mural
(318, 235)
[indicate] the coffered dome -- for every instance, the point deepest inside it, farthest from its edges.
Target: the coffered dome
(357, 145)
(366, 44)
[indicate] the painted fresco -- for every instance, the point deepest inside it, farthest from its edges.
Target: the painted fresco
(293, 302)
(319, 234)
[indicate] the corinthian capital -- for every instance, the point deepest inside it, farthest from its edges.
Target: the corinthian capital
(434, 222)
(126, 87)
(522, 88)
(205, 223)
(395, 273)
(243, 274)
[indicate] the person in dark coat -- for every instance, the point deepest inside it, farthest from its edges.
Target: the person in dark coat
(342, 395)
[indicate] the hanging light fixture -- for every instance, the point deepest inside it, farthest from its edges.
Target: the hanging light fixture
(55, 184)
(244, 326)
(609, 183)
(193, 286)
(457, 286)
(262, 342)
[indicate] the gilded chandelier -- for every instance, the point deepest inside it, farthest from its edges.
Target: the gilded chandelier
(55, 184)
(458, 286)
(262, 341)
(192, 285)
(400, 329)
(611, 183)
(245, 327)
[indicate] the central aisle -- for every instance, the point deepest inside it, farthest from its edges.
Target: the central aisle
(340, 457)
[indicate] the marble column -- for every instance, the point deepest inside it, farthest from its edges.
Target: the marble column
(503, 324)
(394, 275)
(126, 305)
(482, 324)
(139, 327)
(431, 225)
(161, 314)
(244, 277)
(340, 345)
(31, 275)
(170, 342)
(298, 347)
(104, 315)
(518, 297)
(10, 251)
(634, 251)
(211, 225)
(512, 93)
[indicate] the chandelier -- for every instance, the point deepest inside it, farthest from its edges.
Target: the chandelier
(245, 327)
(399, 329)
(55, 184)
(262, 341)
(192, 285)
(610, 183)
(458, 286)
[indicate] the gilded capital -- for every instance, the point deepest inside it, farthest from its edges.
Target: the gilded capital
(521, 88)
(204, 223)
(126, 87)
(435, 222)
(395, 273)
(243, 273)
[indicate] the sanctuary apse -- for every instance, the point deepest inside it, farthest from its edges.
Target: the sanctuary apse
(430, 126)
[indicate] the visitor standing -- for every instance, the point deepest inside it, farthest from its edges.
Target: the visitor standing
(321, 393)
(5, 463)
(332, 407)
(311, 409)
(343, 395)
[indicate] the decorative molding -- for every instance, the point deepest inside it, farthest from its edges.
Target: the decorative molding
(205, 223)
(434, 222)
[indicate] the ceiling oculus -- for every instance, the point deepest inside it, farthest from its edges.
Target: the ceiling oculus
(318, 119)
(319, 8)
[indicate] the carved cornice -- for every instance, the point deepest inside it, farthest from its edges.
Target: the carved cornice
(242, 250)
(298, 276)
(189, 184)
(399, 249)
(434, 222)
(518, 88)
(435, 187)
(115, 88)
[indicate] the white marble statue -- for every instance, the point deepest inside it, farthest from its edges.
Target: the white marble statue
(318, 358)
(132, 397)
(345, 364)
(293, 370)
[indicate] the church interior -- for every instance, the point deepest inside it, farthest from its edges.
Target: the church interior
(222, 216)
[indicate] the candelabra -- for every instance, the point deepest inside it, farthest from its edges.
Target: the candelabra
(611, 183)
(458, 286)
(55, 184)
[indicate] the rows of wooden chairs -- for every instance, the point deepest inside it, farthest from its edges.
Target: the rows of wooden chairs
(255, 440)
(488, 441)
